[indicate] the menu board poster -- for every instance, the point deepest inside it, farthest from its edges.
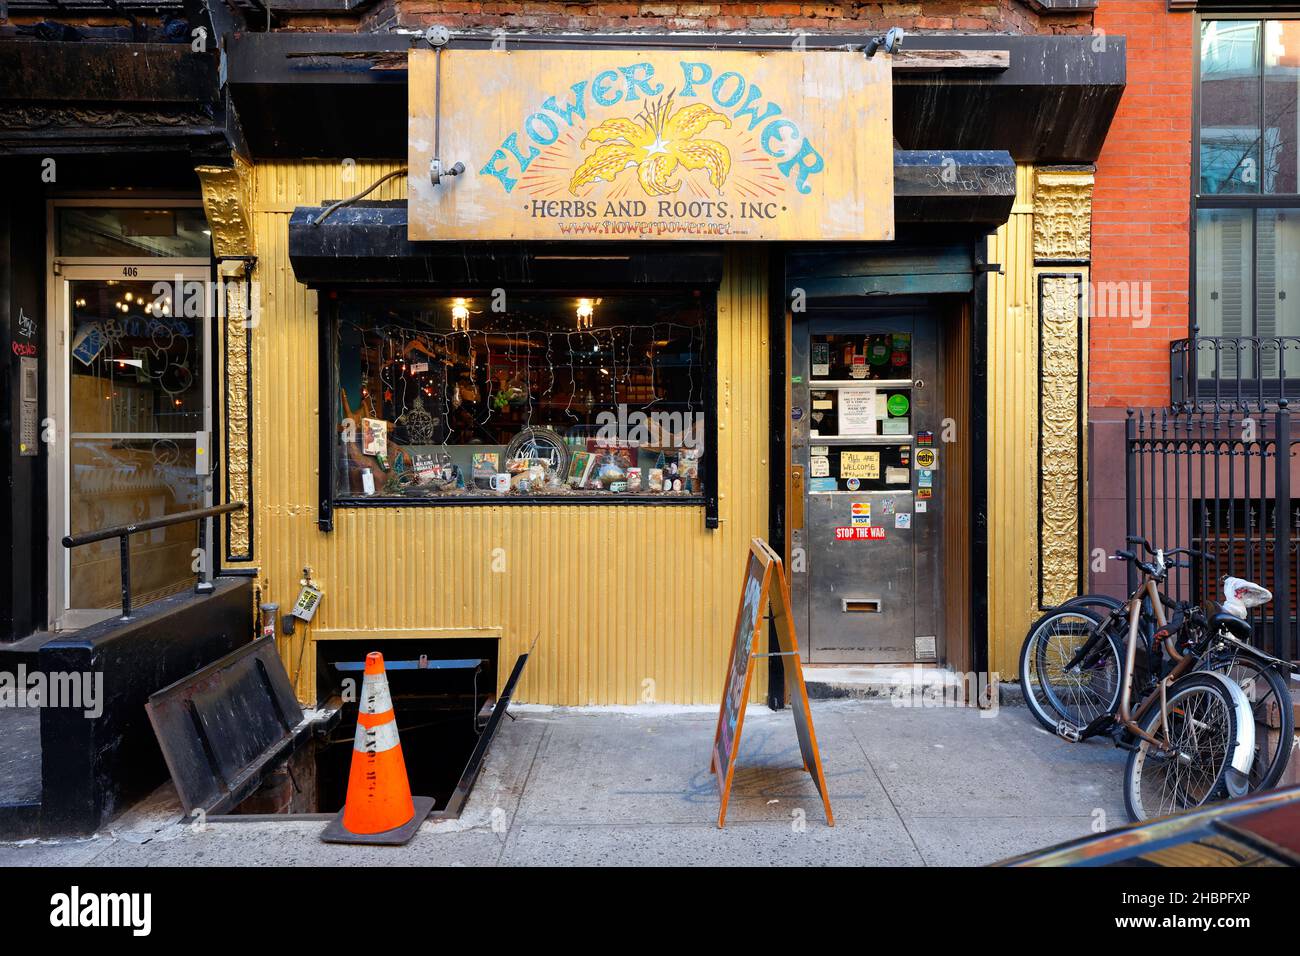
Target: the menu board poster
(857, 411)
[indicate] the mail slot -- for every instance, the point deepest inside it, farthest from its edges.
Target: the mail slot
(862, 605)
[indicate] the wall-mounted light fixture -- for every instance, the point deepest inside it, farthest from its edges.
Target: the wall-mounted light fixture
(460, 316)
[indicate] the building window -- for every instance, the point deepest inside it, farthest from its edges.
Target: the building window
(1247, 215)
(494, 395)
(132, 232)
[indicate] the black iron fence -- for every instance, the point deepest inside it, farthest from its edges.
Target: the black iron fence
(1219, 480)
(1227, 371)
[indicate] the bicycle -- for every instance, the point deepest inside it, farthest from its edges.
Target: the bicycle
(1192, 736)
(1077, 656)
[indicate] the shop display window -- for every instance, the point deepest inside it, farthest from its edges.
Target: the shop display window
(495, 394)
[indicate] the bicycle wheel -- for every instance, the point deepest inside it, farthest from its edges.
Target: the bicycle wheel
(1099, 604)
(1270, 701)
(1204, 734)
(1079, 694)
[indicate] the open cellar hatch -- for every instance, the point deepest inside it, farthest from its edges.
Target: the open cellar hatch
(238, 744)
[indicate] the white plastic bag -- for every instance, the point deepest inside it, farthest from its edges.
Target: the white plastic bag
(1239, 595)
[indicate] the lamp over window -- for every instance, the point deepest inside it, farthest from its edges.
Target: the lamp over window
(460, 316)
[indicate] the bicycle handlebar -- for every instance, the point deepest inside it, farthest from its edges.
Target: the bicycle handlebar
(1146, 545)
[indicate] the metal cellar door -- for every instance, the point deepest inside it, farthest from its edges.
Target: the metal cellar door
(866, 419)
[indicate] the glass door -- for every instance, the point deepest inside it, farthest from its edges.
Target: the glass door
(131, 403)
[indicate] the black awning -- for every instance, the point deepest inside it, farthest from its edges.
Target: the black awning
(953, 186)
(367, 242)
(1052, 105)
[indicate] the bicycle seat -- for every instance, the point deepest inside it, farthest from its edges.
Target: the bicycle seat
(1226, 620)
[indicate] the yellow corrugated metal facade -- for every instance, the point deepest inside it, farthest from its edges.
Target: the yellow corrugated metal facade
(631, 604)
(1013, 439)
(1012, 431)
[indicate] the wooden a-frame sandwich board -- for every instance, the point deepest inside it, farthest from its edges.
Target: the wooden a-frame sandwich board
(764, 583)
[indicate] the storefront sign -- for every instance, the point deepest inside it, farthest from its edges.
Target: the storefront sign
(622, 144)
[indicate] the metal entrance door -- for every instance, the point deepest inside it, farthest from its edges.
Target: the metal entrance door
(866, 443)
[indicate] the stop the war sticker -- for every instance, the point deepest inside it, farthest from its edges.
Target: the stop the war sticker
(875, 533)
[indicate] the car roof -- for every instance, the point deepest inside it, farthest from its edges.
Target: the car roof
(1257, 830)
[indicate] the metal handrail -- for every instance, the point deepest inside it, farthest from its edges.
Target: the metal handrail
(123, 533)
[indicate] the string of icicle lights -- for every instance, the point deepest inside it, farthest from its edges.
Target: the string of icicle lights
(595, 344)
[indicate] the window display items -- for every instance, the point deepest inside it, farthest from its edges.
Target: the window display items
(374, 436)
(580, 466)
(561, 410)
(483, 465)
(541, 444)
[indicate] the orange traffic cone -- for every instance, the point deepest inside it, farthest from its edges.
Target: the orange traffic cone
(379, 806)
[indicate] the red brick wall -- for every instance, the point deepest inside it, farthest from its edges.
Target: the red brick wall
(1011, 16)
(1141, 204)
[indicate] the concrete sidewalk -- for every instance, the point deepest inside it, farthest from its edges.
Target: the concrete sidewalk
(562, 786)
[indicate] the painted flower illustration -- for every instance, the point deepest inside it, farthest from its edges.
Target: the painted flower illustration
(654, 144)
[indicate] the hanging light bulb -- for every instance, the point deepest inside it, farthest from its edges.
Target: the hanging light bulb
(586, 309)
(460, 316)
